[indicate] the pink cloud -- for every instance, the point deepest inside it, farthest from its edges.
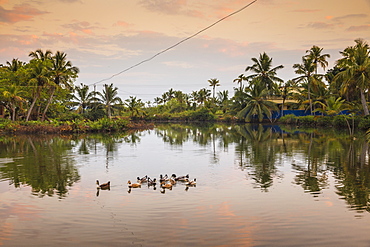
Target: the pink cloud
(82, 26)
(359, 28)
(320, 25)
(122, 24)
(22, 12)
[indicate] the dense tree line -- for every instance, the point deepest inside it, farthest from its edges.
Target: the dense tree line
(43, 89)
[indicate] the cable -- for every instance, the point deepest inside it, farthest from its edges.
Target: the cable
(178, 43)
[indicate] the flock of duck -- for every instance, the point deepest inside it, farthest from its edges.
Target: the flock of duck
(165, 182)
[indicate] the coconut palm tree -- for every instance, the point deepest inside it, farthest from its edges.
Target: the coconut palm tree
(357, 71)
(12, 95)
(307, 71)
(109, 98)
(40, 55)
(317, 58)
(39, 77)
(202, 95)
(223, 99)
(240, 80)
(263, 71)
(214, 83)
(83, 98)
(257, 104)
(134, 106)
(14, 65)
(62, 73)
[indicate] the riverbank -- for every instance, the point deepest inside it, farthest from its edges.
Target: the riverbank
(124, 124)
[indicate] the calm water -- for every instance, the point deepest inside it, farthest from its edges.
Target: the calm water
(256, 186)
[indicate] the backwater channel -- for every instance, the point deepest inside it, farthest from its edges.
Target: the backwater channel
(256, 185)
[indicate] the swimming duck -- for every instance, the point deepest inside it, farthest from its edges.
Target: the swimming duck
(191, 183)
(165, 185)
(172, 181)
(143, 179)
(152, 182)
(163, 178)
(181, 178)
(103, 186)
(130, 185)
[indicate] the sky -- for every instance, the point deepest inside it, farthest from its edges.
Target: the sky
(104, 38)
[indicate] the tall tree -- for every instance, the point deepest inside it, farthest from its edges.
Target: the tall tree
(83, 98)
(257, 104)
(317, 58)
(14, 65)
(240, 80)
(356, 74)
(214, 83)
(306, 70)
(62, 74)
(39, 77)
(110, 98)
(263, 71)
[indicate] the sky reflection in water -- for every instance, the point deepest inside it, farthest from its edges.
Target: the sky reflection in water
(256, 185)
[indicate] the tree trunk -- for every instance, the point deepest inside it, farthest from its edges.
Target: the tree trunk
(33, 104)
(364, 103)
(48, 104)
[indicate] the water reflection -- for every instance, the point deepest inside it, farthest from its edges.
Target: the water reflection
(46, 163)
(40, 162)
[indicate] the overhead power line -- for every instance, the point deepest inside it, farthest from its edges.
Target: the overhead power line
(173, 46)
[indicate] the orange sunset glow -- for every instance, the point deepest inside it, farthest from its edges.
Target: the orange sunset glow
(104, 39)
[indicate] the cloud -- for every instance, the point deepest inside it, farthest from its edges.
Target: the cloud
(358, 28)
(320, 25)
(121, 24)
(82, 26)
(22, 12)
(351, 16)
(164, 6)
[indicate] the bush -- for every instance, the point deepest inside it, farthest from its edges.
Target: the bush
(202, 114)
(288, 119)
(307, 120)
(364, 122)
(324, 121)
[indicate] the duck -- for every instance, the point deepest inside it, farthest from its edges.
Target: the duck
(165, 185)
(172, 181)
(130, 185)
(152, 182)
(163, 178)
(181, 178)
(103, 186)
(143, 179)
(191, 183)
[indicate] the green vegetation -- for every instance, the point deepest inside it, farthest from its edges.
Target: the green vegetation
(43, 90)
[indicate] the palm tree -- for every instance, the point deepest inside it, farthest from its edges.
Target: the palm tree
(14, 65)
(223, 99)
(62, 73)
(109, 98)
(306, 69)
(240, 80)
(39, 74)
(202, 95)
(214, 83)
(263, 72)
(317, 58)
(13, 97)
(134, 106)
(357, 70)
(40, 55)
(286, 92)
(84, 98)
(257, 105)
